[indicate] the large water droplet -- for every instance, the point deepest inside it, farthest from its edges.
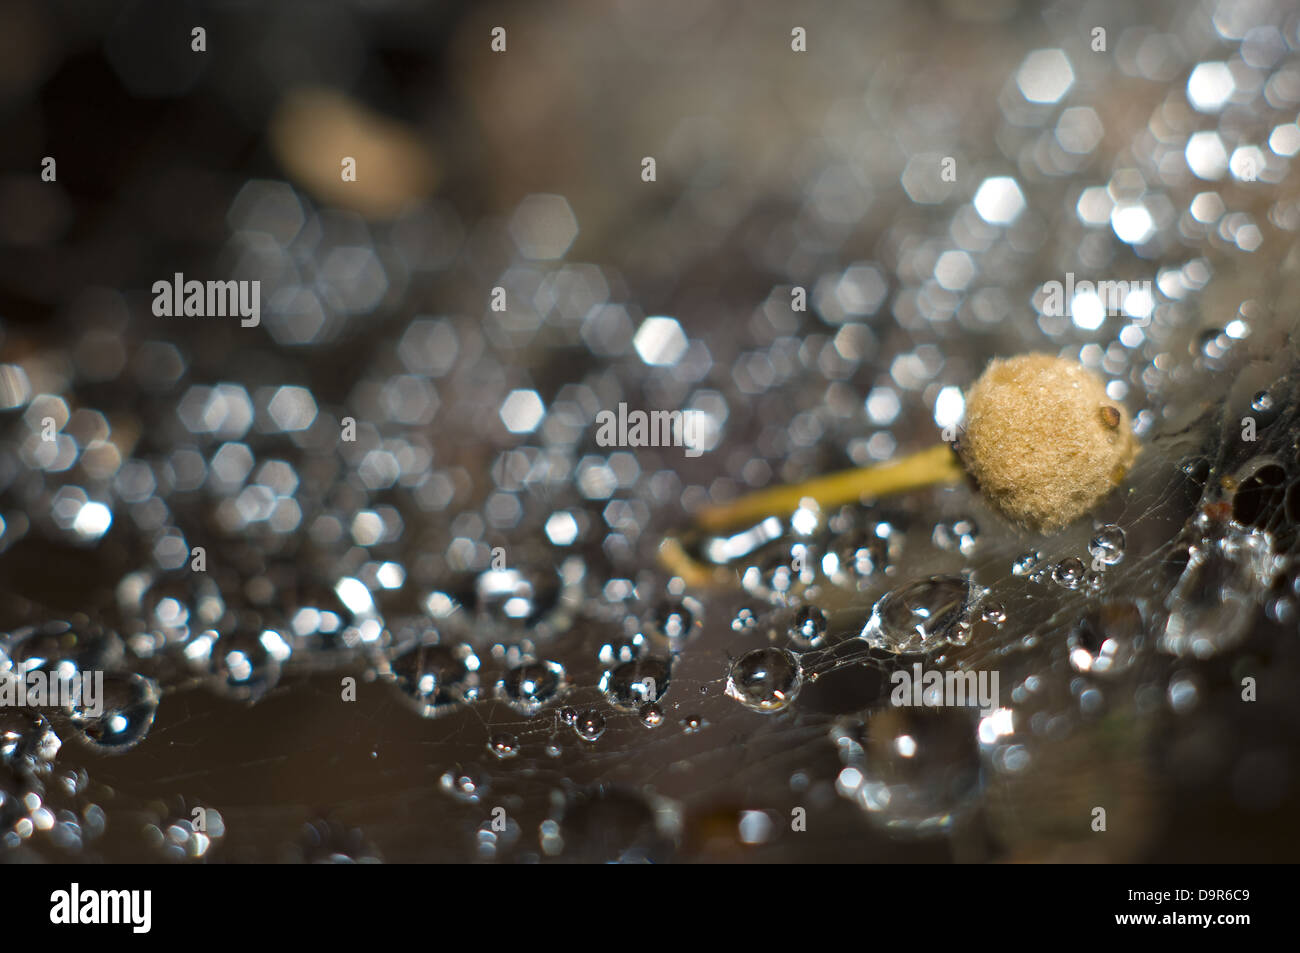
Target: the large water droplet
(913, 770)
(923, 615)
(608, 825)
(673, 620)
(1025, 563)
(1105, 640)
(120, 719)
(1212, 606)
(529, 687)
(244, 664)
(516, 597)
(636, 683)
(766, 679)
(1068, 573)
(859, 554)
(434, 678)
(61, 649)
(26, 738)
(1107, 546)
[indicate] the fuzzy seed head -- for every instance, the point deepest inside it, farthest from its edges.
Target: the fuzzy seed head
(1044, 441)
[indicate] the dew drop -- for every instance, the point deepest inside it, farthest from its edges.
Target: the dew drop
(1211, 607)
(652, 716)
(958, 535)
(862, 553)
(1025, 562)
(515, 597)
(244, 664)
(636, 683)
(692, 723)
(1105, 640)
(808, 630)
(923, 615)
(589, 725)
(529, 687)
(434, 678)
(1107, 546)
(26, 738)
(504, 746)
(122, 717)
(913, 770)
(673, 620)
(464, 784)
(1068, 573)
(766, 679)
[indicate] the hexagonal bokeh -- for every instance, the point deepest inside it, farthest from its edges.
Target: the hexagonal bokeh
(543, 227)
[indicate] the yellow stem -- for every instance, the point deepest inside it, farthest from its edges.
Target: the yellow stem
(937, 464)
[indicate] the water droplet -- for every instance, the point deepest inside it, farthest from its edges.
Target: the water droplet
(808, 630)
(859, 554)
(1105, 640)
(1211, 607)
(766, 679)
(26, 738)
(673, 620)
(122, 717)
(1262, 402)
(62, 649)
(957, 535)
(504, 746)
(589, 725)
(1068, 573)
(529, 687)
(692, 723)
(1107, 546)
(652, 716)
(434, 678)
(744, 620)
(1025, 562)
(330, 842)
(923, 615)
(464, 784)
(622, 650)
(515, 597)
(567, 716)
(244, 664)
(994, 613)
(635, 683)
(913, 770)
(605, 824)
